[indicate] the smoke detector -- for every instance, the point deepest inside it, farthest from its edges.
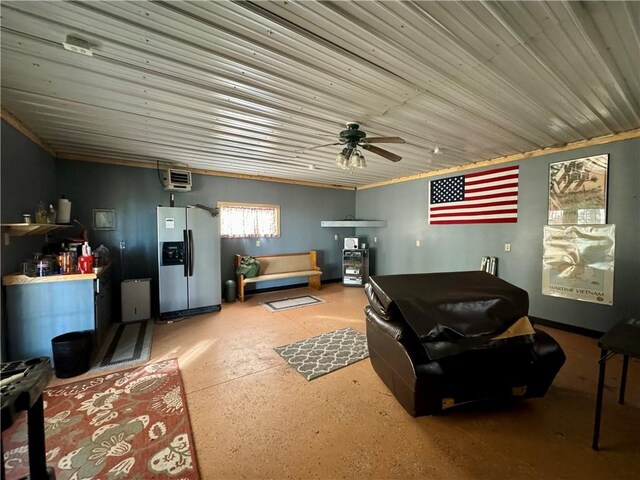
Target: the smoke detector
(77, 45)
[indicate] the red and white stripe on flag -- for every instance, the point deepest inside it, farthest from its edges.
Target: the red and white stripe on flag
(484, 197)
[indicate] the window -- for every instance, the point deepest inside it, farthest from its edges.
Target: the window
(239, 220)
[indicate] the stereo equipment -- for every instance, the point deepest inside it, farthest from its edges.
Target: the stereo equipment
(351, 243)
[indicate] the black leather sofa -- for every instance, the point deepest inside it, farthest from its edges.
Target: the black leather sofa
(444, 339)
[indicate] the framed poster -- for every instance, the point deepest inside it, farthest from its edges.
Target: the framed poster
(104, 219)
(578, 191)
(578, 262)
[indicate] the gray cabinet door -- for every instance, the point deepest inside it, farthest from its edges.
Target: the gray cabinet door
(204, 282)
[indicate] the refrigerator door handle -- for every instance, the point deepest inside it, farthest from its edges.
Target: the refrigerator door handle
(186, 253)
(191, 253)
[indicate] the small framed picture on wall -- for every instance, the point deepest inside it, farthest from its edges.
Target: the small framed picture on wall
(578, 191)
(104, 219)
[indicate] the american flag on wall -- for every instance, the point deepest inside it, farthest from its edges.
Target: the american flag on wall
(483, 197)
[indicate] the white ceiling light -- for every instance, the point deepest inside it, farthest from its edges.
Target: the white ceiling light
(350, 158)
(436, 150)
(77, 45)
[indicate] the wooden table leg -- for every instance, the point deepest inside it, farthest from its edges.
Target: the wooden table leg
(623, 380)
(596, 426)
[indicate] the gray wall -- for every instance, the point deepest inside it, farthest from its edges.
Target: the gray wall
(135, 192)
(28, 175)
(460, 247)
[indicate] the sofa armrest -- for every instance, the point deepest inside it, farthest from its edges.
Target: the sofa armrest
(392, 328)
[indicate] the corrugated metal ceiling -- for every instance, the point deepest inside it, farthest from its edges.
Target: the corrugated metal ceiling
(248, 87)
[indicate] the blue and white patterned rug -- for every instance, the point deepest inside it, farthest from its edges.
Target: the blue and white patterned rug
(126, 344)
(317, 356)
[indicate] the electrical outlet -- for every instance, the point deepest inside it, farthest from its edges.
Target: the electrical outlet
(123, 245)
(375, 239)
(507, 247)
(335, 237)
(417, 243)
(257, 243)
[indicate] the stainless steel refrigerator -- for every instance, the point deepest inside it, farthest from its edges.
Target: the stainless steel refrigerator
(188, 261)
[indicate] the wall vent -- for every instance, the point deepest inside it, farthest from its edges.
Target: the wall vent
(177, 180)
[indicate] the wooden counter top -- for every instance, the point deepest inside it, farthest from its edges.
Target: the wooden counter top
(18, 279)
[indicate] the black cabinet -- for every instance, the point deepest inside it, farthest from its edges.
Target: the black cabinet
(355, 267)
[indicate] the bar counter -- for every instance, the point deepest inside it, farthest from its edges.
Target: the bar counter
(19, 279)
(41, 308)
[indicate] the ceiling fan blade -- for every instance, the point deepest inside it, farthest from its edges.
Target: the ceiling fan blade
(320, 146)
(383, 153)
(384, 140)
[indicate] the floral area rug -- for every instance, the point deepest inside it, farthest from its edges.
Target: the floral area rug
(131, 424)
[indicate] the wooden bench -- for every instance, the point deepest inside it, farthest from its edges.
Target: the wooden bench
(276, 267)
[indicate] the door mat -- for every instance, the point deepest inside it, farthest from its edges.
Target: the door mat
(126, 344)
(317, 356)
(292, 302)
(128, 424)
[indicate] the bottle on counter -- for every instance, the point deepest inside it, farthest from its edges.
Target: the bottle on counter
(51, 214)
(41, 212)
(85, 262)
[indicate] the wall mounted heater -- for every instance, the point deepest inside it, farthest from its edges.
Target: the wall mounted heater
(177, 180)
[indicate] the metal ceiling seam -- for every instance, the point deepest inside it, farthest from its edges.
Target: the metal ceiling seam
(587, 82)
(165, 35)
(266, 14)
(460, 87)
(500, 77)
(251, 151)
(622, 35)
(221, 96)
(141, 115)
(506, 63)
(510, 158)
(571, 97)
(599, 49)
(394, 56)
(473, 10)
(473, 122)
(467, 92)
(268, 42)
(533, 105)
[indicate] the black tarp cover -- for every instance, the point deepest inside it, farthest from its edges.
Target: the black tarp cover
(452, 312)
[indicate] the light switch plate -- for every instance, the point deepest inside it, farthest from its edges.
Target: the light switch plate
(507, 247)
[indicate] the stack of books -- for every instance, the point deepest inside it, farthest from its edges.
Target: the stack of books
(489, 265)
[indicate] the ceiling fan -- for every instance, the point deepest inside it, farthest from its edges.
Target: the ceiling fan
(353, 138)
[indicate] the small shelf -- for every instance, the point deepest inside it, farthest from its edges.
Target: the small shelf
(23, 229)
(353, 223)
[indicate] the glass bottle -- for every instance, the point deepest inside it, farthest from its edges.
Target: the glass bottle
(41, 212)
(51, 214)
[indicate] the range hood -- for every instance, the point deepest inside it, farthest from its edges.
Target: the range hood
(353, 223)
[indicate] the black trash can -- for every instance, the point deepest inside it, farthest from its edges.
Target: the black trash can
(72, 353)
(230, 291)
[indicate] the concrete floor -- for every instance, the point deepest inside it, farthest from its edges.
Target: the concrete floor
(253, 416)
